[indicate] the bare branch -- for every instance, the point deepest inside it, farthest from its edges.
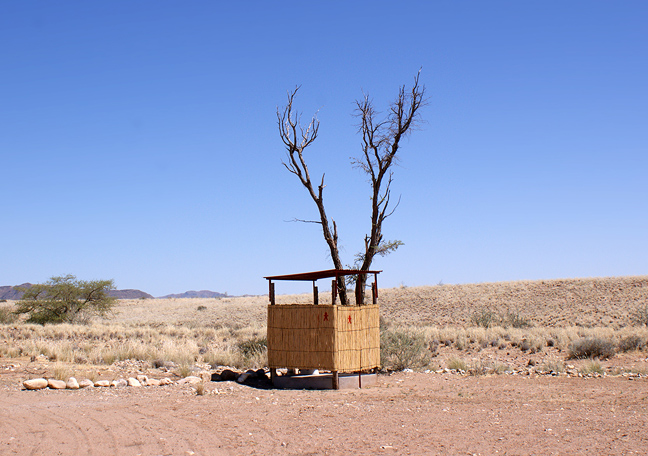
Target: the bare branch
(304, 221)
(296, 139)
(380, 143)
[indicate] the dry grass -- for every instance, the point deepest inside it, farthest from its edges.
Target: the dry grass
(524, 318)
(606, 302)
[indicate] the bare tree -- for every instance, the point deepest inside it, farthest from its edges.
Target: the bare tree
(381, 140)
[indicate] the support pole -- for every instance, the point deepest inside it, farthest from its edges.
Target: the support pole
(376, 282)
(374, 293)
(334, 291)
(271, 293)
(273, 374)
(315, 294)
(336, 380)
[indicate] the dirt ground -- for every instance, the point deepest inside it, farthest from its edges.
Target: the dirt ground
(405, 413)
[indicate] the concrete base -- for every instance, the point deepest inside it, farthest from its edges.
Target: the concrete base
(323, 381)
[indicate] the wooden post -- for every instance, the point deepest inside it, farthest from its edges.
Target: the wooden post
(360, 371)
(315, 294)
(376, 283)
(273, 374)
(336, 380)
(334, 291)
(374, 293)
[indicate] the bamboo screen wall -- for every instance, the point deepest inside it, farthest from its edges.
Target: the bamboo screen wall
(327, 337)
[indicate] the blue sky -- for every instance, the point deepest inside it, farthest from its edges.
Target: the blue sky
(138, 140)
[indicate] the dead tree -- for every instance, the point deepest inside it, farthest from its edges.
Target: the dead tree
(381, 140)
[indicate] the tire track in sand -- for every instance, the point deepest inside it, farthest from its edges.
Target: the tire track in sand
(100, 422)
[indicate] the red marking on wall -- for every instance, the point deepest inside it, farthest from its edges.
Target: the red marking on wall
(349, 319)
(325, 316)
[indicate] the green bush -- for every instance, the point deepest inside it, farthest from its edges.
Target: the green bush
(591, 347)
(66, 300)
(253, 347)
(400, 349)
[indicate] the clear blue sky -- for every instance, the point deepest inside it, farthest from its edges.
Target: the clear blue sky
(138, 140)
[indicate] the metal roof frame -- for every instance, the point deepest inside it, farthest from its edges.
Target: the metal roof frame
(316, 275)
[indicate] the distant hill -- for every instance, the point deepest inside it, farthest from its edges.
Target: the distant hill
(129, 294)
(11, 293)
(196, 294)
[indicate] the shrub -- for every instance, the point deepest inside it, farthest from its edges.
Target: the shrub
(478, 368)
(591, 347)
(499, 368)
(457, 364)
(485, 318)
(254, 347)
(184, 370)
(592, 367)
(7, 315)
(400, 349)
(62, 372)
(640, 315)
(630, 343)
(553, 366)
(515, 319)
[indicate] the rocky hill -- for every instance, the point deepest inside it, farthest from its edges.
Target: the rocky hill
(12, 293)
(129, 294)
(196, 294)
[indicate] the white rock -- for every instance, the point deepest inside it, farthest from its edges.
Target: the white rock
(143, 379)
(56, 384)
(134, 382)
(35, 383)
(102, 383)
(152, 382)
(407, 370)
(72, 384)
(192, 379)
(86, 383)
(166, 381)
(119, 383)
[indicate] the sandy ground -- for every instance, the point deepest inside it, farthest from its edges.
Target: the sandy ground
(405, 413)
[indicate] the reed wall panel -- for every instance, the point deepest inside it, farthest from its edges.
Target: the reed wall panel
(326, 337)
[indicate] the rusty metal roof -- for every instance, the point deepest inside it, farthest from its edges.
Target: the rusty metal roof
(316, 275)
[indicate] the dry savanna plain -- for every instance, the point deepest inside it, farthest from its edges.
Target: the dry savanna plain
(529, 367)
